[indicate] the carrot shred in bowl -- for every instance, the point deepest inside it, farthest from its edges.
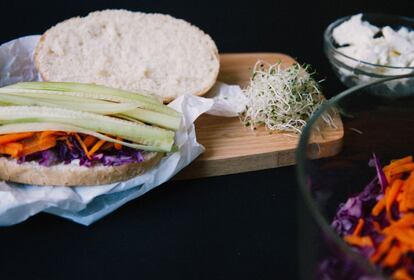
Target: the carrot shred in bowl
(379, 222)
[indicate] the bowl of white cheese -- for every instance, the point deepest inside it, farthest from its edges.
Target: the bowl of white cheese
(364, 47)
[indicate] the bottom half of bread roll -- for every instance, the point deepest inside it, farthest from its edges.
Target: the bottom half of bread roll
(32, 172)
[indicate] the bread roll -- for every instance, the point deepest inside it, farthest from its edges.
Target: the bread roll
(73, 175)
(132, 51)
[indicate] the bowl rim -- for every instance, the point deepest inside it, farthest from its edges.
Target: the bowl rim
(301, 158)
(327, 35)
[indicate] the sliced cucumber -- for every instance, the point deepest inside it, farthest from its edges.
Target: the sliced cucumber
(87, 88)
(90, 105)
(143, 134)
(154, 118)
(81, 96)
(94, 106)
(94, 92)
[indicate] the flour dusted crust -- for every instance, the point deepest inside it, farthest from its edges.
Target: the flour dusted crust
(72, 175)
(132, 51)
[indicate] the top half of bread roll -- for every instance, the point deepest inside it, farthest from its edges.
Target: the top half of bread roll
(130, 50)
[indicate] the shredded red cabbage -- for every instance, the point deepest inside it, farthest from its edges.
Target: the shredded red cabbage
(345, 220)
(380, 174)
(358, 206)
(355, 208)
(66, 154)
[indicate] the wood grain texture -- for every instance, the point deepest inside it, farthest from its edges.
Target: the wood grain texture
(232, 148)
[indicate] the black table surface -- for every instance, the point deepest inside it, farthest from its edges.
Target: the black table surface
(241, 226)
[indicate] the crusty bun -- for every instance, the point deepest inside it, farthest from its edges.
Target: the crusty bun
(72, 175)
(132, 51)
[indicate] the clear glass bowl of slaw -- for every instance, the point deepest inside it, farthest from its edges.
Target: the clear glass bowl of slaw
(373, 123)
(352, 71)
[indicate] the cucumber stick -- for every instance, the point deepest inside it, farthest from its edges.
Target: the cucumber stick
(80, 96)
(148, 136)
(94, 92)
(157, 114)
(94, 106)
(99, 106)
(153, 117)
(88, 88)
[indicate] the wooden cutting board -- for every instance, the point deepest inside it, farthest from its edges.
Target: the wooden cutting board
(232, 148)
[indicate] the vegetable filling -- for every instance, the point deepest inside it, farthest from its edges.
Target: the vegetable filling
(54, 123)
(54, 147)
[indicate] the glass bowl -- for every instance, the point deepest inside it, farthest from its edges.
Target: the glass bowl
(373, 123)
(352, 71)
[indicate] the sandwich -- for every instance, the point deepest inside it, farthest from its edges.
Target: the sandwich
(99, 116)
(71, 134)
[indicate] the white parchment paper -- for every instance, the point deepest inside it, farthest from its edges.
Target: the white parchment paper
(87, 204)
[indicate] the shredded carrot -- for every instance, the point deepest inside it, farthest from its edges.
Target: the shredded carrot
(376, 226)
(395, 177)
(45, 134)
(82, 144)
(378, 207)
(402, 207)
(117, 145)
(388, 176)
(409, 192)
(404, 236)
(362, 241)
(408, 167)
(12, 149)
(392, 257)
(398, 162)
(90, 140)
(96, 147)
(392, 196)
(8, 138)
(405, 248)
(359, 227)
(405, 221)
(68, 143)
(37, 145)
(60, 134)
(107, 146)
(401, 274)
(388, 170)
(382, 248)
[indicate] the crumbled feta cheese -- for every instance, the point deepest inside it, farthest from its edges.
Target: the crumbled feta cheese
(404, 32)
(354, 31)
(381, 49)
(394, 48)
(397, 42)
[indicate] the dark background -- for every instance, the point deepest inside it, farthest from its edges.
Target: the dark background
(231, 227)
